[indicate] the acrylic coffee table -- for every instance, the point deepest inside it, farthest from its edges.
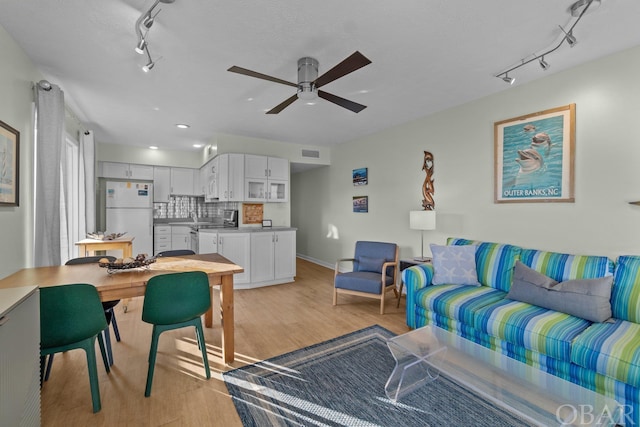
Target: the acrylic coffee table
(540, 398)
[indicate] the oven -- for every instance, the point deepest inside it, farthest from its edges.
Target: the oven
(194, 241)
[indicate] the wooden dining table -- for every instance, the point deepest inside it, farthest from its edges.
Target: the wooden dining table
(130, 283)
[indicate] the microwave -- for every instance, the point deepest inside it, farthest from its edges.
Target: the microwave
(230, 218)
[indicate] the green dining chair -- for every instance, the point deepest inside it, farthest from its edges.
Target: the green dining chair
(71, 317)
(173, 301)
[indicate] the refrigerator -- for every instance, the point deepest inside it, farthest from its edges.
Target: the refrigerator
(129, 207)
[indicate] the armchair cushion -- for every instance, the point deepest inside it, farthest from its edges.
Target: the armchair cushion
(370, 264)
(362, 281)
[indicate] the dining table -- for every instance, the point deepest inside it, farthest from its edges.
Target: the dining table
(129, 283)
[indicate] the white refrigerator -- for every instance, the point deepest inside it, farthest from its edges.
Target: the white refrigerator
(129, 207)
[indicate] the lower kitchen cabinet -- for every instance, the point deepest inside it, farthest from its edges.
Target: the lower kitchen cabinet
(207, 242)
(236, 248)
(161, 238)
(180, 237)
(273, 256)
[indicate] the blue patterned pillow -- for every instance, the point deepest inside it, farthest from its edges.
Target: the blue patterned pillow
(454, 265)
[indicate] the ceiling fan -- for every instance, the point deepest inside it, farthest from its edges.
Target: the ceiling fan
(309, 82)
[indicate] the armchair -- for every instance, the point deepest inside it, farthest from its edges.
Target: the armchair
(374, 272)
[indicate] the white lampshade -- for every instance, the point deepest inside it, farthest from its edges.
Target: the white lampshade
(422, 220)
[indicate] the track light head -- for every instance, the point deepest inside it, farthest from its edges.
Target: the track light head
(507, 79)
(571, 39)
(148, 67)
(141, 46)
(544, 64)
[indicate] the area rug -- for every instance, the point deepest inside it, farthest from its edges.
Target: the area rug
(341, 382)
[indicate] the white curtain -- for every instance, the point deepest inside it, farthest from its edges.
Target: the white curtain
(87, 191)
(49, 158)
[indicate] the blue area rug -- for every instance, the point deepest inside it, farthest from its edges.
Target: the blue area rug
(341, 382)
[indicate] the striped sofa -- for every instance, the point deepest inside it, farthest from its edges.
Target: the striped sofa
(599, 356)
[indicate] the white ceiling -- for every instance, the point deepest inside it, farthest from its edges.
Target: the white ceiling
(427, 55)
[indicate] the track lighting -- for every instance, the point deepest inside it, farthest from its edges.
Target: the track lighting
(142, 45)
(510, 80)
(544, 64)
(579, 9)
(143, 24)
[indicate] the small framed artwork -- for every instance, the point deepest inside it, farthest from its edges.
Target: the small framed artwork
(9, 165)
(360, 176)
(534, 157)
(266, 223)
(361, 203)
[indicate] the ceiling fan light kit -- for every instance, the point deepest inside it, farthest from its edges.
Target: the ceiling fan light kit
(309, 82)
(578, 10)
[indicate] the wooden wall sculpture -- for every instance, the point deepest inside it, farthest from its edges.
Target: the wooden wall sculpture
(428, 204)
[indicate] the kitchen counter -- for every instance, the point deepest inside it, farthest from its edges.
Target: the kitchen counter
(245, 229)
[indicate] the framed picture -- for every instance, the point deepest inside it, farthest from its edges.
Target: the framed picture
(361, 203)
(9, 165)
(534, 157)
(360, 176)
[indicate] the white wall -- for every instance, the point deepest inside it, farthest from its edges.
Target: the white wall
(17, 75)
(607, 97)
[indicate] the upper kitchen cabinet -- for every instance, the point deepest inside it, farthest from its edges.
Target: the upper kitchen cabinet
(231, 177)
(266, 179)
(125, 171)
(161, 184)
(209, 179)
(182, 181)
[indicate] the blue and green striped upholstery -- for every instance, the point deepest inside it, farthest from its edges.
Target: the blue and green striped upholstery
(562, 267)
(457, 302)
(625, 295)
(611, 349)
(535, 328)
(494, 262)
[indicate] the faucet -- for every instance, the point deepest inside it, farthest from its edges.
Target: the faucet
(194, 216)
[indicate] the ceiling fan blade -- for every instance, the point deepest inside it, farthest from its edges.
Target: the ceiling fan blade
(349, 105)
(349, 65)
(284, 104)
(255, 74)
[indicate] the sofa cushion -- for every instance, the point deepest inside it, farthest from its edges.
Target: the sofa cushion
(457, 301)
(494, 262)
(562, 267)
(454, 265)
(625, 297)
(535, 328)
(585, 298)
(611, 349)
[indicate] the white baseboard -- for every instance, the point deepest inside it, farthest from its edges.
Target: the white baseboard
(316, 261)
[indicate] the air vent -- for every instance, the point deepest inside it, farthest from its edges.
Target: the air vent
(311, 153)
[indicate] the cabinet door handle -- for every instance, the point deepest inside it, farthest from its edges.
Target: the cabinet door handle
(266, 173)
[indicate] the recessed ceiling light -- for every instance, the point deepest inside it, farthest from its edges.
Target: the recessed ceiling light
(153, 147)
(249, 99)
(197, 145)
(182, 126)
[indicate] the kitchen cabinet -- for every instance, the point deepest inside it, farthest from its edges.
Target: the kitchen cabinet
(209, 177)
(266, 179)
(20, 356)
(180, 237)
(182, 181)
(161, 184)
(126, 171)
(161, 238)
(236, 247)
(231, 177)
(273, 256)
(207, 241)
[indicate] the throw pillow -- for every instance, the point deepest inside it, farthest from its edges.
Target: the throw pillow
(454, 265)
(373, 265)
(585, 298)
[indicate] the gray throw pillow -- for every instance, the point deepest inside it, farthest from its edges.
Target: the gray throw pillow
(585, 298)
(373, 265)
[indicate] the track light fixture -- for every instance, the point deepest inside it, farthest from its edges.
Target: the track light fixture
(578, 9)
(544, 64)
(143, 24)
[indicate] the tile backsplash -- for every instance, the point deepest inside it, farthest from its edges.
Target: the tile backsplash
(183, 206)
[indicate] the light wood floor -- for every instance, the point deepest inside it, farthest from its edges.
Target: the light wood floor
(268, 321)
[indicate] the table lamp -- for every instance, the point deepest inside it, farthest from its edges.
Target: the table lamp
(422, 220)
